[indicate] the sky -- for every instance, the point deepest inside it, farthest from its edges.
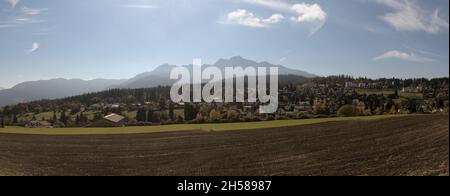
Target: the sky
(117, 39)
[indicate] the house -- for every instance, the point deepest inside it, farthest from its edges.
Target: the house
(39, 124)
(112, 120)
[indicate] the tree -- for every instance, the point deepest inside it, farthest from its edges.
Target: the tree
(63, 117)
(189, 112)
(319, 109)
(54, 119)
(348, 111)
(14, 119)
(200, 118)
(83, 118)
(98, 115)
(150, 115)
(77, 120)
(162, 104)
(141, 115)
(157, 117)
(171, 111)
(214, 116)
(393, 109)
(233, 115)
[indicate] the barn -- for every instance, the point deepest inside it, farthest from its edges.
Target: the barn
(112, 120)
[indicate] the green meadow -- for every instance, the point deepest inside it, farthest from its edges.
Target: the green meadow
(183, 127)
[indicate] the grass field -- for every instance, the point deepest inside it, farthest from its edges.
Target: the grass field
(183, 127)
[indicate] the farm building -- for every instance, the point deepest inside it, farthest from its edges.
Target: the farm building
(112, 120)
(39, 124)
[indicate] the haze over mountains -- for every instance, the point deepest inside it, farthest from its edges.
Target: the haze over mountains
(161, 75)
(60, 88)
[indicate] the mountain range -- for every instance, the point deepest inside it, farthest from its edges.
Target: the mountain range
(60, 88)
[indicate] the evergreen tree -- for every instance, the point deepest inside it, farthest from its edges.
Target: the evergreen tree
(54, 119)
(141, 115)
(63, 117)
(14, 119)
(188, 110)
(83, 118)
(150, 115)
(171, 111)
(77, 120)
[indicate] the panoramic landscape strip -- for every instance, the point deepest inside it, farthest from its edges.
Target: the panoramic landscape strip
(225, 96)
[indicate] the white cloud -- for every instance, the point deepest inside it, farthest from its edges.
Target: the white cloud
(35, 46)
(310, 15)
(276, 18)
(409, 16)
(13, 3)
(246, 18)
(142, 6)
(395, 54)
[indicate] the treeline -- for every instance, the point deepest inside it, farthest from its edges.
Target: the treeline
(434, 83)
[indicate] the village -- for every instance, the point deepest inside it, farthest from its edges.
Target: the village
(320, 98)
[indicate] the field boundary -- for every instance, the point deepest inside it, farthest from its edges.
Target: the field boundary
(185, 127)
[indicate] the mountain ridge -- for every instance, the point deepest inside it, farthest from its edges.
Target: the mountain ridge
(52, 89)
(160, 76)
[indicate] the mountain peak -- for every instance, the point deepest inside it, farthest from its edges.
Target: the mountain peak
(235, 61)
(238, 58)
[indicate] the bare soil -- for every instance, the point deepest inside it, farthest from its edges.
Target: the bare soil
(412, 145)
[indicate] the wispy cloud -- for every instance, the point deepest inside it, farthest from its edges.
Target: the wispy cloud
(22, 17)
(409, 16)
(35, 46)
(31, 11)
(246, 18)
(13, 3)
(311, 15)
(395, 54)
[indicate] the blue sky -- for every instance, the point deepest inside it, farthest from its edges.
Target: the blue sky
(43, 39)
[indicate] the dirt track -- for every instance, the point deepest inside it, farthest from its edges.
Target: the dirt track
(415, 145)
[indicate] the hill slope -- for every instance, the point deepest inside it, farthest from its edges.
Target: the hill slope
(52, 89)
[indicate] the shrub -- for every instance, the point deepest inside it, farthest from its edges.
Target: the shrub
(348, 111)
(200, 118)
